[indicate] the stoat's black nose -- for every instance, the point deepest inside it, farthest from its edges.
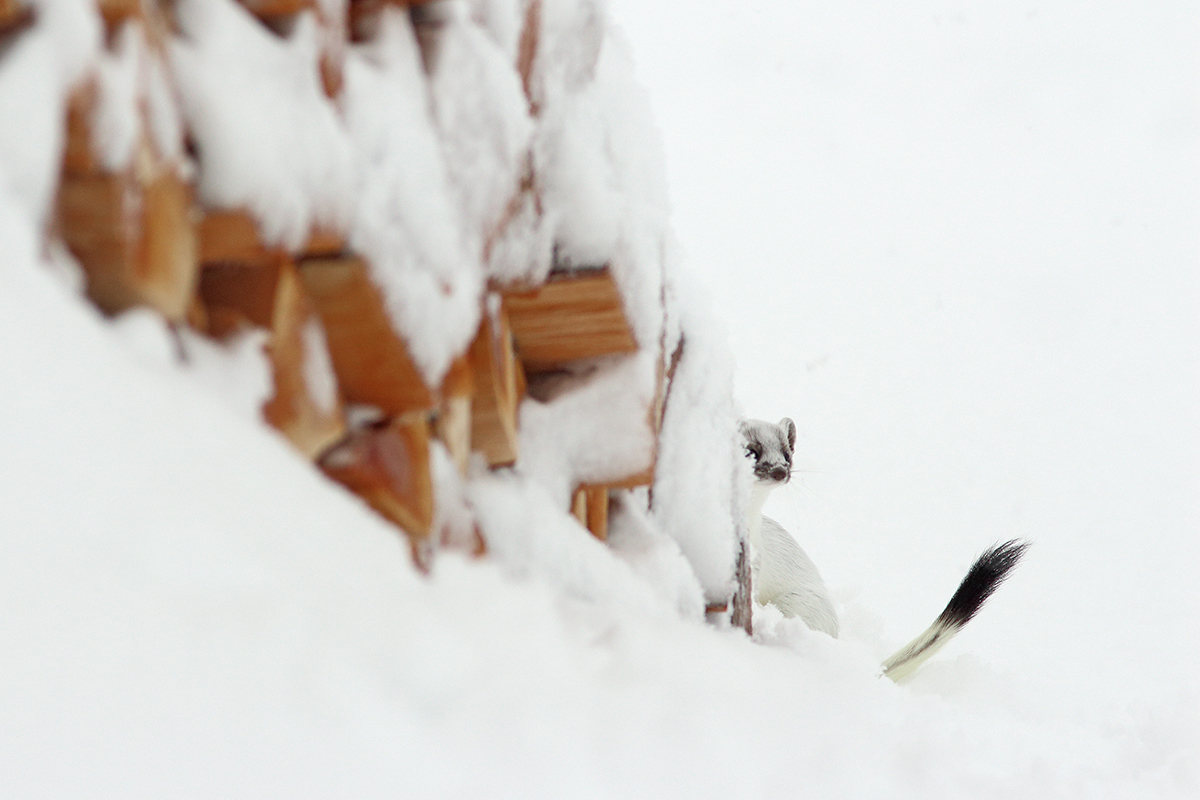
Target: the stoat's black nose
(779, 474)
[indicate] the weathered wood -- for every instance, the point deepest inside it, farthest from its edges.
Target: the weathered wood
(134, 238)
(743, 605)
(372, 362)
(233, 235)
(388, 467)
(572, 316)
(498, 389)
(527, 51)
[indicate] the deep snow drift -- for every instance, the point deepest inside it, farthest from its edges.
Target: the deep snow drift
(985, 298)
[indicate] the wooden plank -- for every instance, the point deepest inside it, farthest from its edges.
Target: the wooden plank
(134, 239)
(236, 293)
(371, 361)
(388, 467)
(572, 316)
(597, 512)
(233, 235)
(267, 9)
(498, 389)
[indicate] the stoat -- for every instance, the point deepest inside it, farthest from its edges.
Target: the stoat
(783, 575)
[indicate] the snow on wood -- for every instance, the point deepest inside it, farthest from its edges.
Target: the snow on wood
(124, 208)
(233, 235)
(371, 360)
(132, 233)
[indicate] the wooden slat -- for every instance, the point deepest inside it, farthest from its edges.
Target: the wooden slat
(498, 389)
(233, 235)
(372, 362)
(571, 317)
(388, 467)
(267, 9)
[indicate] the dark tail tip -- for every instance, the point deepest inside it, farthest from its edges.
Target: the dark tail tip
(984, 577)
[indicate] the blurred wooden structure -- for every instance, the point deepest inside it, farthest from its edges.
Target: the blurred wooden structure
(331, 340)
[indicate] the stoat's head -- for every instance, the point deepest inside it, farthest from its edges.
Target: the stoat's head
(769, 447)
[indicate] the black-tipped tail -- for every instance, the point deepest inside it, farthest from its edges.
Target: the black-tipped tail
(984, 577)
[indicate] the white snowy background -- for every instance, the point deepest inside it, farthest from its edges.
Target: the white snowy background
(956, 243)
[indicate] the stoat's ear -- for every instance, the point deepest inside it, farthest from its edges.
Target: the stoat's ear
(789, 431)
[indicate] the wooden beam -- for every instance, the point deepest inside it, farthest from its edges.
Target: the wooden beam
(372, 362)
(572, 316)
(498, 389)
(388, 467)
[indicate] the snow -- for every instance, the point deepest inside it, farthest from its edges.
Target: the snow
(275, 146)
(406, 221)
(956, 244)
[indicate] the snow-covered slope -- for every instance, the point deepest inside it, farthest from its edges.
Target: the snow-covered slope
(188, 609)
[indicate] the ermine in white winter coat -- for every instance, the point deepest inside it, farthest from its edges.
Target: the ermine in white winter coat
(783, 575)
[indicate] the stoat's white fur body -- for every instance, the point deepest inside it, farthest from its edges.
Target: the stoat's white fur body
(784, 576)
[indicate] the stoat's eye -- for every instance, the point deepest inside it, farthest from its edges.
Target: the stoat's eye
(753, 451)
